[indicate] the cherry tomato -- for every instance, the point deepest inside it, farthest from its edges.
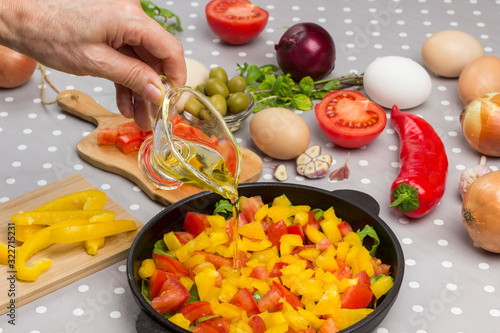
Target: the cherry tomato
(235, 21)
(348, 119)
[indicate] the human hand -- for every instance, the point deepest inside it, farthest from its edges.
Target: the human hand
(112, 39)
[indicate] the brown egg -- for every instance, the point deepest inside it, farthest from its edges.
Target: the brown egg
(447, 52)
(280, 133)
(478, 78)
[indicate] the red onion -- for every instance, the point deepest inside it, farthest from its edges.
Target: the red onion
(306, 49)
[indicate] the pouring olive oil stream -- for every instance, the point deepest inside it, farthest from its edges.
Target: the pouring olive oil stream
(202, 154)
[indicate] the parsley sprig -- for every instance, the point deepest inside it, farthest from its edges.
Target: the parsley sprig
(279, 90)
(162, 16)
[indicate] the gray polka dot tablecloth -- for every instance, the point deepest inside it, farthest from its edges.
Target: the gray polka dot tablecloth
(450, 285)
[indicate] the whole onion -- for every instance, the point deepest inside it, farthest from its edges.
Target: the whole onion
(306, 49)
(481, 211)
(15, 68)
(480, 121)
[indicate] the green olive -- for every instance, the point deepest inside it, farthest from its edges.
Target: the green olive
(193, 106)
(238, 102)
(219, 102)
(218, 73)
(216, 86)
(201, 88)
(237, 84)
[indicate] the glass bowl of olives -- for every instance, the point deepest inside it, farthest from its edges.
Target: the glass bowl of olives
(229, 97)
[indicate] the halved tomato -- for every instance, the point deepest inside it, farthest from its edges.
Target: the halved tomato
(236, 21)
(170, 265)
(356, 297)
(257, 324)
(244, 300)
(348, 119)
(196, 310)
(195, 223)
(173, 295)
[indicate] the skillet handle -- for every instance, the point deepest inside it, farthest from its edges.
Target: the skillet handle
(145, 323)
(361, 199)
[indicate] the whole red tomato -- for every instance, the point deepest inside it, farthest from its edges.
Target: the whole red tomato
(348, 119)
(236, 21)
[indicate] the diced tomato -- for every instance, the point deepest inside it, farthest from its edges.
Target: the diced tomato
(363, 279)
(244, 300)
(296, 229)
(312, 220)
(291, 298)
(220, 323)
(249, 206)
(257, 324)
(242, 259)
(275, 232)
(156, 282)
(266, 224)
(128, 143)
(260, 272)
(128, 127)
(173, 295)
(146, 134)
(183, 236)
(270, 302)
(242, 220)
(196, 310)
(107, 136)
(343, 271)
(379, 267)
(307, 330)
(323, 244)
(203, 327)
(190, 133)
(216, 259)
(276, 272)
(344, 228)
(356, 297)
(195, 223)
(328, 326)
(171, 265)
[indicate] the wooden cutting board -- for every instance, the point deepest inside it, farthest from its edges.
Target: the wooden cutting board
(113, 160)
(70, 261)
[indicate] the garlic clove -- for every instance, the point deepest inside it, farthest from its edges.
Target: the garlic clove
(469, 176)
(301, 168)
(313, 151)
(280, 172)
(325, 158)
(303, 159)
(312, 164)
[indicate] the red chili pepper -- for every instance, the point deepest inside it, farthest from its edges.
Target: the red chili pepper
(424, 165)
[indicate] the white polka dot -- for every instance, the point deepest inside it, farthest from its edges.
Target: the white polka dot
(363, 162)
(267, 176)
(483, 266)
(191, 27)
(300, 178)
(35, 331)
(295, 8)
(78, 312)
(16, 164)
(83, 288)
(119, 291)
(438, 222)
(242, 54)
(495, 313)
(215, 53)
(321, 9)
(134, 207)
(122, 268)
(37, 100)
(61, 116)
(105, 187)
(9, 99)
(190, 39)
(404, 220)
(442, 88)
(70, 87)
(52, 149)
(41, 182)
(56, 132)
(10, 181)
(456, 150)
(97, 89)
(410, 262)
(78, 167)
(115, 314)
(414, 285)
(393, 148)
(407, 241)
(456, 310)
(447, 264)
(22, 147)
(32, 115)
(489, 289)
(136, 189)
(382, 330)
(453, 134)
(27, 131)
(417, 308)
(442, 242)
(41, 309)
(365, 181)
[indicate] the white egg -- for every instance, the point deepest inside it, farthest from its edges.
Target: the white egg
(395, 80)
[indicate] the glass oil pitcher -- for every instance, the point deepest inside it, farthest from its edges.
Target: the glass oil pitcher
(188, 150)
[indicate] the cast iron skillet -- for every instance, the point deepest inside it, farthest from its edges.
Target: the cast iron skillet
(358, 208)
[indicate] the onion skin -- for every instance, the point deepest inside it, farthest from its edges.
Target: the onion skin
(480, 121)
(306, 49)
(481, 211)
(15, 68)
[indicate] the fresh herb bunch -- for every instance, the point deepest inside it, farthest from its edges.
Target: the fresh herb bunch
(162, 15)
(279, 90)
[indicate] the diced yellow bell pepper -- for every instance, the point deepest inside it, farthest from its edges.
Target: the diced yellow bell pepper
(247, 245)
(278, 213)
(328, 302)
(331, 230)
(265, 256)
(313, 320)
(216, 220)
(173, 243)
(186, 282)
(217, 237)
(280, 328)
(203, 266)
(261, 213)
(228, 272)
(342, 250)
(310, 253)
(301, 218)
(147, 269)
(241, 327)
(353, 239)
(314, 235)
(288, 243)
(344, 318)
(345, 282)
(311, 289)
(326, 259)
(205, 281)
(79, 233)
(329, 214)
(282, 200)
(228, 290)
(89, 199)
(252, 230)
(382, 286)
(181, 321)
(195, 260)
(92, 245)
(289, 258)
(3, 254)
(50, 217)
(352, 259)
(261, 285)
(272, 319)
(365, 262)
(294, 319)
(228, 311)
(199, 243)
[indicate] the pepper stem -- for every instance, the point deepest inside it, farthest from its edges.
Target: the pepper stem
(405, 198)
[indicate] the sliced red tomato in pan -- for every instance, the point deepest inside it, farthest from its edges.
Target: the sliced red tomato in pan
(236, 21)
(170, 265)
(195, 223)
(196, 310)
(348, 119)
(173, 295)
(356, 297)
(244, 300)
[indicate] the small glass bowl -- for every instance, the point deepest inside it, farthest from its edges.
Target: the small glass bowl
(233, 121)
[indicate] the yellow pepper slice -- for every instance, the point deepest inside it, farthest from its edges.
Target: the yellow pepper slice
(88, 199)
(147, 269)
(180, 321)
(382, 286)
(23, 232)
(50, 217)
(79, 233)
(3, 254)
